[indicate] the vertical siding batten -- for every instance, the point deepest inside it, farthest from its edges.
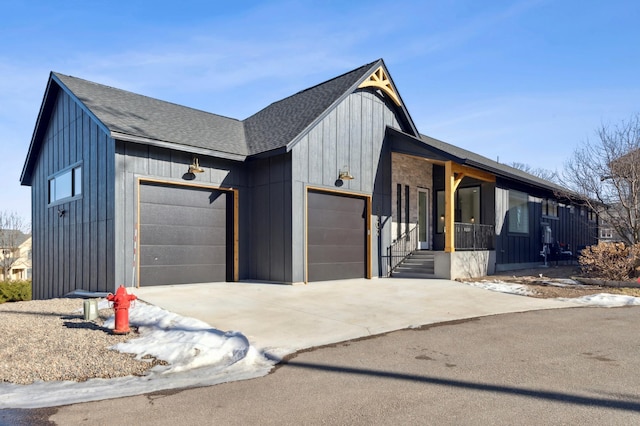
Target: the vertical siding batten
(355, 141)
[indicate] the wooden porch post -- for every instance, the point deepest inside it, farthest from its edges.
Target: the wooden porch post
(449, 203)
(453, 175)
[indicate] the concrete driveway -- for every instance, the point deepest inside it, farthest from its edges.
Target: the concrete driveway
(282, 319)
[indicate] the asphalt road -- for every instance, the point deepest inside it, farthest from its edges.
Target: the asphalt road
(566, 366)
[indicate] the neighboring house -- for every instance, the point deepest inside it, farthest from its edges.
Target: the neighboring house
(612, 217)
(21, 267)
(132, 190)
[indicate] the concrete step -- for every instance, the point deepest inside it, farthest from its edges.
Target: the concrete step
(415, 261)
(399, 274)
(419, 264)
(418, 270)
(423, 255)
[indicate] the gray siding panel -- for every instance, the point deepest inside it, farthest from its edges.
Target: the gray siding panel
(329, 170)
(315, 153)
(270, 231)
(352, 135)
(568, 228)
(135, 161)
(355, 143)
(68, 251)
(366, 156)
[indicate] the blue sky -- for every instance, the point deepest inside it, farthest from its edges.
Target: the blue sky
(523, 81)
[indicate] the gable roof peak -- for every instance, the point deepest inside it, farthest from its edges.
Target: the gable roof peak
(283, 121)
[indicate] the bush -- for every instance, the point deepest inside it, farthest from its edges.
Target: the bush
(15, 291)
(610, 261)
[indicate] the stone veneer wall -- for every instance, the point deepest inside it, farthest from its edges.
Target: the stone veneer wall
(417, 173)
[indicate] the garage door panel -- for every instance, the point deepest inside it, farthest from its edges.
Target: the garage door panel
(328, 220)
(183, 255)
(184, 233)
(334, 202)
(322, 236)
(333, 271)
(180, 235)
(180, 196)
(191, 216)
(336, 236)
(336, 254)
(166, 275)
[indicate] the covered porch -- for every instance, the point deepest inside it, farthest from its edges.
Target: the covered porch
(443, 214)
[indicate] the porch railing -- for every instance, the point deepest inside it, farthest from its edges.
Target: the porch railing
(400, 249)
(472, 236)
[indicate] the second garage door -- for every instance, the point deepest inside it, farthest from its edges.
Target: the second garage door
(184, 234)
(336, 236)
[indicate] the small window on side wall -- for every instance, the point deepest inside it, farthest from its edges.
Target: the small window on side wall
(65, 185)
(518, 212)
(549, 208)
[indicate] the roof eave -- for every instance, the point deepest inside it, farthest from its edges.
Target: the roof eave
(480, 166)
(178, 147)
(25, 176)
(506, 175)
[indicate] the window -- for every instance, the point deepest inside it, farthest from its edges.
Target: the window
(399, 210)
(66, 184)
(550, 208)
(466, 209)
(440, 211)
(518, 212)
(606, 233)
(406, 208)
(468, 205)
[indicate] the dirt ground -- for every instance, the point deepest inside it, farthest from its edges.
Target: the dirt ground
(553, 281)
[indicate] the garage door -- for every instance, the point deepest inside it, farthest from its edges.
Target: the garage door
(336, 237)
(184, 235)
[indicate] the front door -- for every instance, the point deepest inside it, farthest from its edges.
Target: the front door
(423, 219)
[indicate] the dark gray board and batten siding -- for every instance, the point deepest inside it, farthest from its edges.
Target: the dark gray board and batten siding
(136, 162)
(568, 227)
(82, 238)
(269, 232)
(353, 135)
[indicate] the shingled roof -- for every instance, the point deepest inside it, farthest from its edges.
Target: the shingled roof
(132, 117)
(129, 115)
(281, 122)
(12, 238)
(462, 156)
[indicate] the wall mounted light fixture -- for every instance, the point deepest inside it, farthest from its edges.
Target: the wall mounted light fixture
(195, 166)
(344, 174)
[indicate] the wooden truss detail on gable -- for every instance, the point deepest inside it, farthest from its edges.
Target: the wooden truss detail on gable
(380, 80)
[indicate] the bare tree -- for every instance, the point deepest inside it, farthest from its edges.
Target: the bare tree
(13, 229)
(605, 175)
(551, 176)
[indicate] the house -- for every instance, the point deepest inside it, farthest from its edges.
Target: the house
(322, 185)
(17, 257)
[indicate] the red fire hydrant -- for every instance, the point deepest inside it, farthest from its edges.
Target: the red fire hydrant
(121, 303)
